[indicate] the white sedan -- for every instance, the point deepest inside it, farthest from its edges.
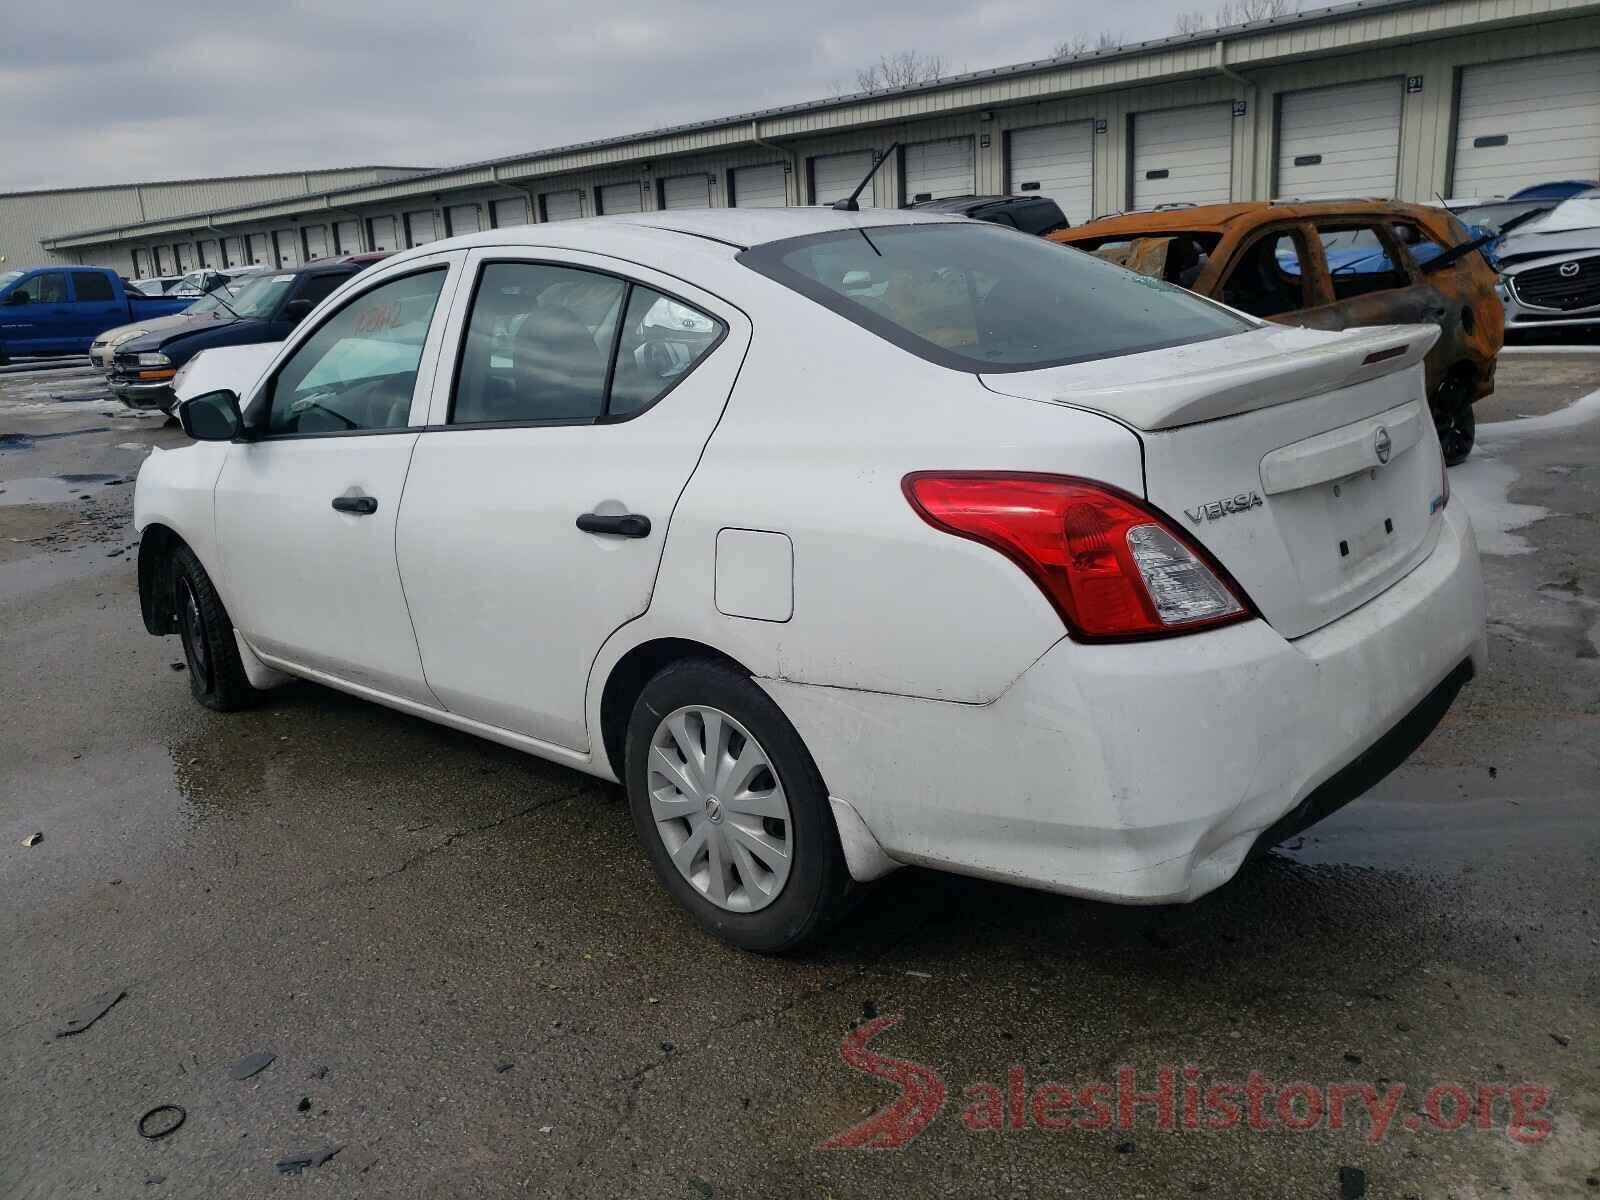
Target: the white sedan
(843, 541)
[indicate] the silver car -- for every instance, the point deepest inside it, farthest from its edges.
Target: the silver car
(1550, 267)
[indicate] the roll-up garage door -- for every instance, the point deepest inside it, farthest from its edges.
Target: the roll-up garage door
(760, 187)
(316, 242)
(1340, 141)
(185, 257)
(621, 198)
(258, 249)
(686, 191)
(346, 239)
(463, 218)
(288, 242)
(209, 257)
(421, 228)
(141, 264)
(506, 213)
(1525, 122)
(383, 233)
(1055, 161)
(932, 170)
(233, 251)
(562, 206)
(835, 176)
(1183, 156)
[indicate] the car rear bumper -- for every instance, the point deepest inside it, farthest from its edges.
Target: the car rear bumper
(1146, 772)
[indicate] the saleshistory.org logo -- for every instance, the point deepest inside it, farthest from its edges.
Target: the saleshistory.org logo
(1179, 1098)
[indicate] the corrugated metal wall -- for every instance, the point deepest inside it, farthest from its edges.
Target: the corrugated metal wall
(27, 217)
(1415, 44)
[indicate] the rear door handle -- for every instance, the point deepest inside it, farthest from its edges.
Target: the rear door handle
(362, 506)
(629, 525)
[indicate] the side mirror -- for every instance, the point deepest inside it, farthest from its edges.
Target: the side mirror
(295, 311)
(19, 297)
(211, 417)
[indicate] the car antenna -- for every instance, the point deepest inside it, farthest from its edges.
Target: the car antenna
(848, 204)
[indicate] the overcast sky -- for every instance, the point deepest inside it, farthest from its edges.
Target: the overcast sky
(106, 91)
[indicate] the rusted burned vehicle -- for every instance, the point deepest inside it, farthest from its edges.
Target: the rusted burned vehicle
(1331, 265)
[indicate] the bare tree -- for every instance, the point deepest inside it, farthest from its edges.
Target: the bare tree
(900, 69)
(1233, 12)
(1082, 44)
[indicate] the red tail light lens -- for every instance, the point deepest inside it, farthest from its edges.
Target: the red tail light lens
(1113, 568)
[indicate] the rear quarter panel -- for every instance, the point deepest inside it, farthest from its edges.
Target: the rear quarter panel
(824, 422)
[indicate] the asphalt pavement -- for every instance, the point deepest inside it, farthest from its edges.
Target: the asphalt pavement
(470, 983)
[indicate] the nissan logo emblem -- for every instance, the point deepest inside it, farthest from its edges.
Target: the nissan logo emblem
(1382, 444)
(1568, 270)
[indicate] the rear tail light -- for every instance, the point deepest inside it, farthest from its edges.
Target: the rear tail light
(1113, 568)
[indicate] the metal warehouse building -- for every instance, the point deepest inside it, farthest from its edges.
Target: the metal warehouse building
(28, 219)
(1405, 98)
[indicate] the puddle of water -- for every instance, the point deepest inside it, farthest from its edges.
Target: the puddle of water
(52, 489)
(25, 441)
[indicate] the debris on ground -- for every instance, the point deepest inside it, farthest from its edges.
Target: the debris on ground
(90, 1012)
(178, 666)
(304, 1105)
(251, 1065)
(298, 1161)
(1561, 1039)
(160, 1121)
(504, 1065)
(1352, 1183)
(33, 839)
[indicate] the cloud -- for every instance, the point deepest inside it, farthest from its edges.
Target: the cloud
(102, 92)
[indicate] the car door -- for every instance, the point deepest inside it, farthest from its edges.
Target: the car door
(95, 307)
(306, 510)
(37, 318)
(1367, 276)
(538, 500)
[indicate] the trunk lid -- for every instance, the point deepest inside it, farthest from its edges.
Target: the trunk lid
(1304, 461)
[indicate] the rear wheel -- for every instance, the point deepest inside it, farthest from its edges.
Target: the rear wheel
(1458, 428)
(732, 810)
(216, 674)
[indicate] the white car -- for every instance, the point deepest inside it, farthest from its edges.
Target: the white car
(1019, 565)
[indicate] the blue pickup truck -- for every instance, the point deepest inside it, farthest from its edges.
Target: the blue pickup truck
(59, 310)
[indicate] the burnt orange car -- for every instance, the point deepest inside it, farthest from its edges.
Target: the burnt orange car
(1331, 265)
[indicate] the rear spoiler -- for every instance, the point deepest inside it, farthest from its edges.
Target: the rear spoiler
(1350, 358)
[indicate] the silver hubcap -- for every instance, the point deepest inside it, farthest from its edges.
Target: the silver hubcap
(719, 808)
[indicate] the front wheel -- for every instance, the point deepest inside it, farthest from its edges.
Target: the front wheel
(1458, 429)
(732, 810)
(216, 674)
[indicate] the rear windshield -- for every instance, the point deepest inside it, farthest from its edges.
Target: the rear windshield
(974, 297)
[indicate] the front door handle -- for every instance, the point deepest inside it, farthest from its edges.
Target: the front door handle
(629, 525)
(362, 506)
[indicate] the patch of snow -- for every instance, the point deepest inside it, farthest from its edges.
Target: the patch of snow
(1580, 412)
(1483, 484)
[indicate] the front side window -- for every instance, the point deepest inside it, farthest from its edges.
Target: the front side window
(92, 286)
(46, 289)
(974, 297)
(359, 369)
(540, 343)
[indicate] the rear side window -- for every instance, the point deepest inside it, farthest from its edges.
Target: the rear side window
(317, 288)
(549, 343)
(1267, 279)
(91, 285)
(973, 297)
(1359, 261)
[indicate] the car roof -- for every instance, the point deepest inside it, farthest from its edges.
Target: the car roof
(739, 228)
(1254, 212)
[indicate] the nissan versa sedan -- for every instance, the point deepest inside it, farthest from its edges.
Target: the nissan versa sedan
(842, 541)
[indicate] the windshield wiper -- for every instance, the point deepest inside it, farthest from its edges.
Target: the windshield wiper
(1456, 253)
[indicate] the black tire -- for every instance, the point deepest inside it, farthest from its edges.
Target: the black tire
(1458, 429)
(818, 890)
(216, 675)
